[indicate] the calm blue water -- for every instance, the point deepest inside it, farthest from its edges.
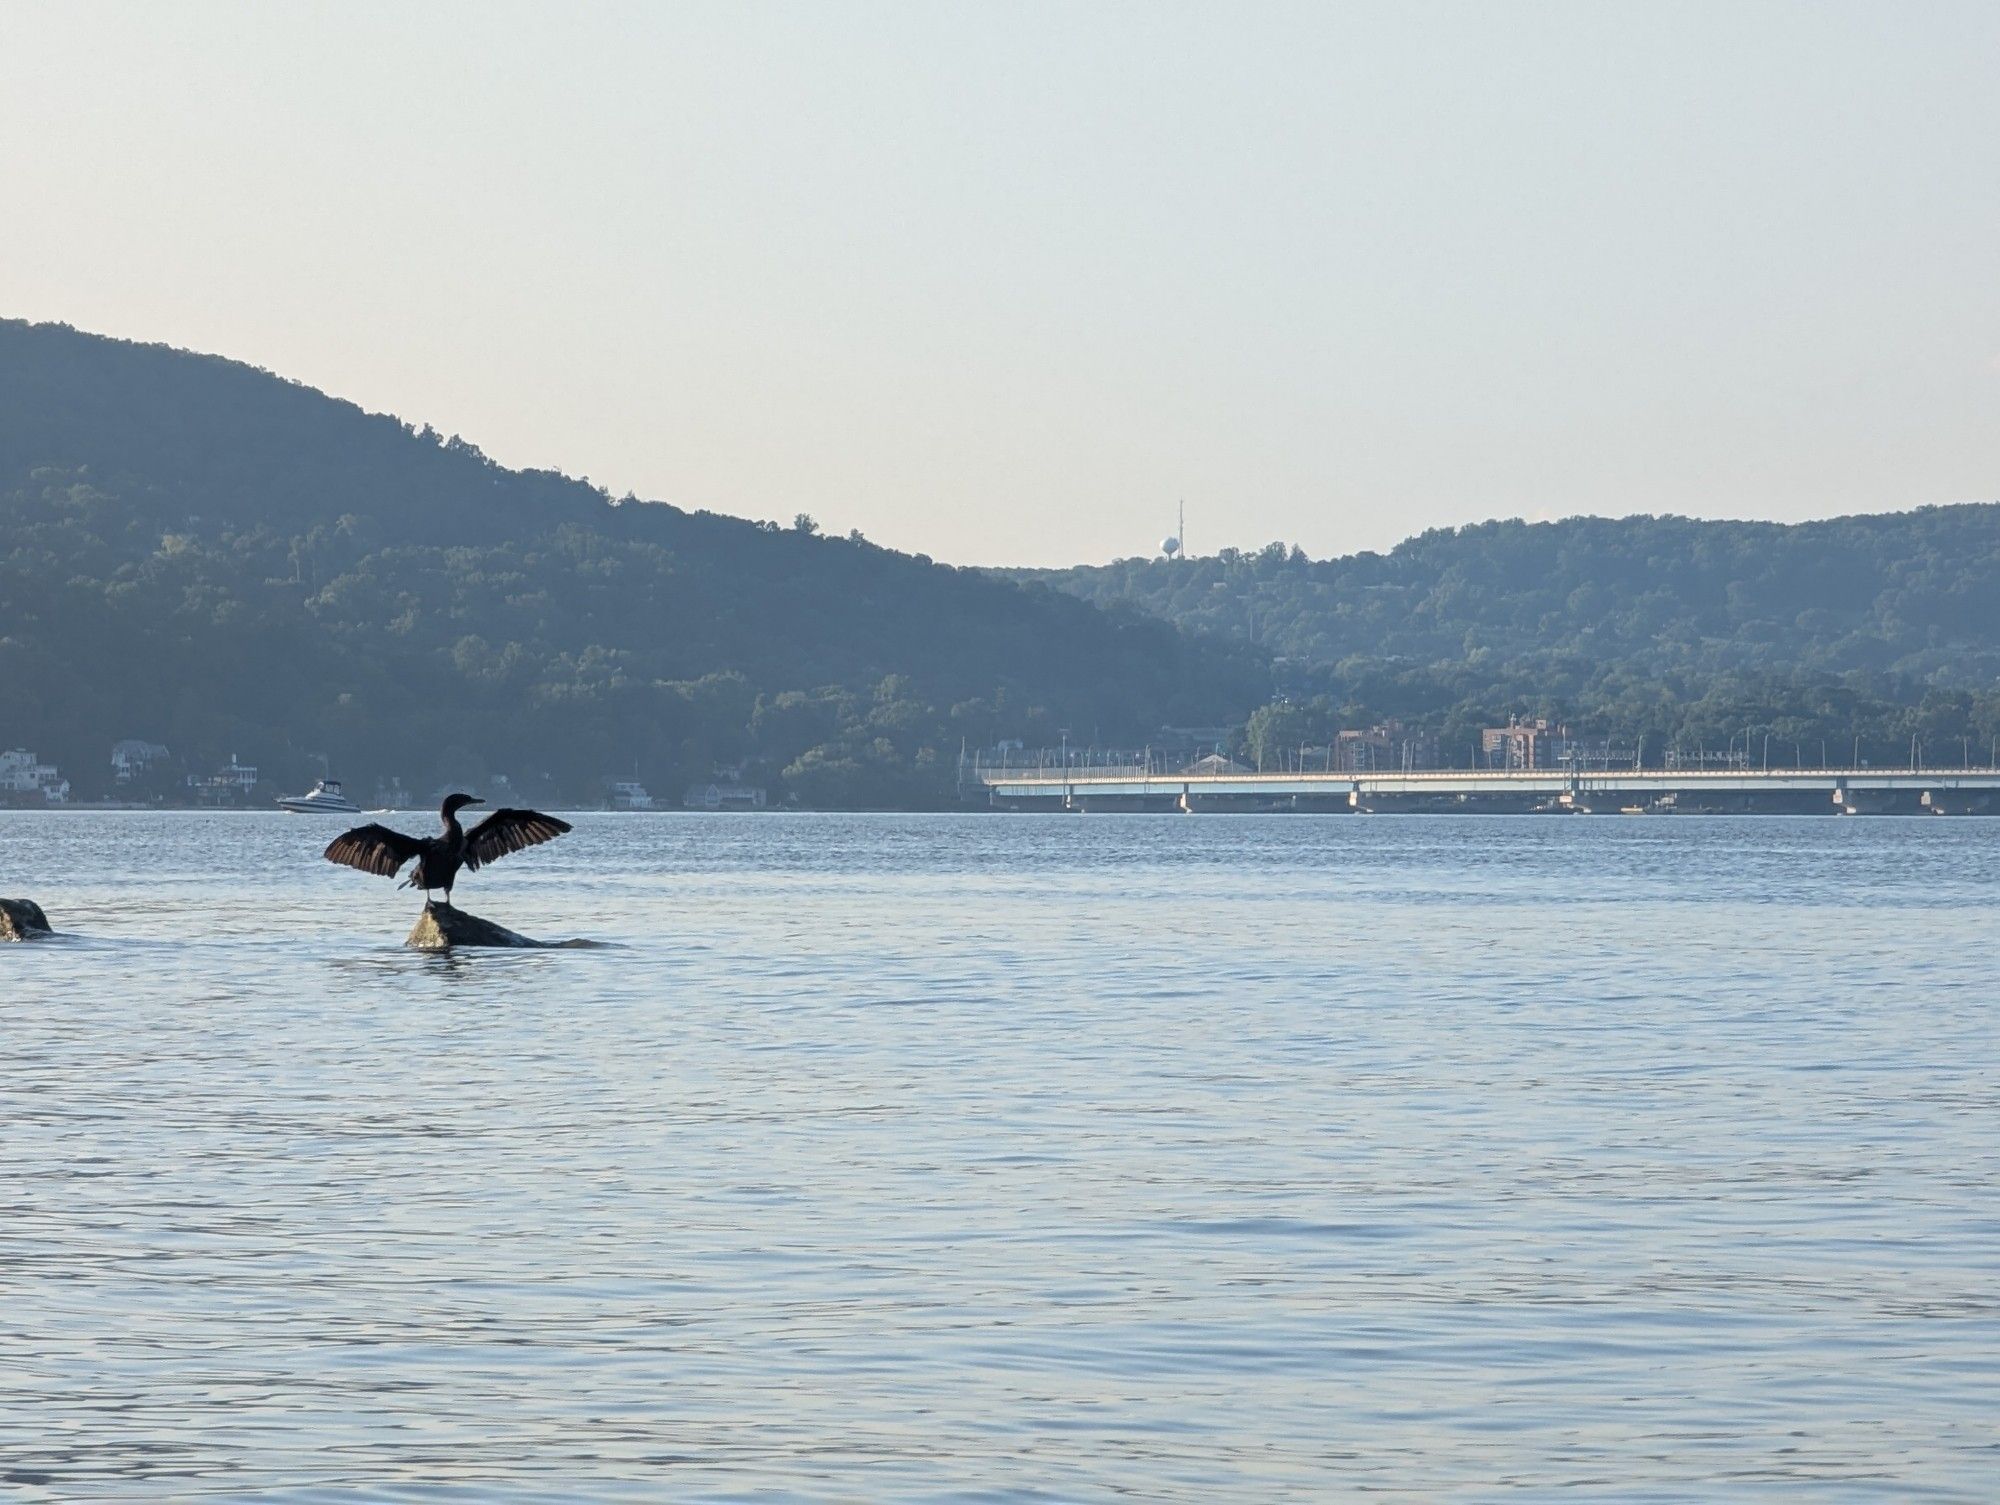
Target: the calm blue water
(1008, 1158)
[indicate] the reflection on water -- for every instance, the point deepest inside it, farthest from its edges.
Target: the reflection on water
(914, 1158)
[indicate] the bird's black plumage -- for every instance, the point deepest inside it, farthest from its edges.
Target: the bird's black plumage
(379, 850)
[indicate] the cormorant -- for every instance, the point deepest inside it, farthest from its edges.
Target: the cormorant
(378, 850)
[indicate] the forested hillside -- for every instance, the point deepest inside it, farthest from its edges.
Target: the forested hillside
(1912, 594)
(204, 555)
(1861, 637)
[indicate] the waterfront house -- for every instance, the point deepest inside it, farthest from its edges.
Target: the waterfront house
(134, 757)
(725, 794)
(23, 775)
(630, 794)
(234, 781)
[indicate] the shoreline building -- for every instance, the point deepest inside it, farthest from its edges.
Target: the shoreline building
(235, 781)
(726, 791)
(24, 774)
(630, 794)
(1522, 744)
(134, 758)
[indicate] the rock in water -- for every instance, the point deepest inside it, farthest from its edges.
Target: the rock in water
(441, 926)
(22, 920)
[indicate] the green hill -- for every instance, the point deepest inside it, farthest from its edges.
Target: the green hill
(201, 554)
(1861, 635)
(1911, 594)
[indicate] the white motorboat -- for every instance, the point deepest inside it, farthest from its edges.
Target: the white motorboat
(325, 796)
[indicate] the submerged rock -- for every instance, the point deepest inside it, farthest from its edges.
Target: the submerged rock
(441, 927)
(22, 920)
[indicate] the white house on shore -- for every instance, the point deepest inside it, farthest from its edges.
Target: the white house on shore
(724, 794)
(630, 794)
(133, 757)
(234, 781)
(22, 773)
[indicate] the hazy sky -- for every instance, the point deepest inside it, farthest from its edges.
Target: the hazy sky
(1001, 282)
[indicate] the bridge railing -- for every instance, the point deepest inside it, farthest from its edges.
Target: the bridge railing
(1054, 773)
(987, 773)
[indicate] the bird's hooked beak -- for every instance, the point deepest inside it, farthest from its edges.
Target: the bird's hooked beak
(473, 799)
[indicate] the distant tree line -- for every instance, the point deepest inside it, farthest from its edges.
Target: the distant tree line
(1789, 719)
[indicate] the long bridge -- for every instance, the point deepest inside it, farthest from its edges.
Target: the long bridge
(1851, 791)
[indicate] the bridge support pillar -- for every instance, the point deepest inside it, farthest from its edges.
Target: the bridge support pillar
(1877, 801)
(1958, 802)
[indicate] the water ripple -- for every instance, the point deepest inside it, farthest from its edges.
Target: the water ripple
(959, 1158)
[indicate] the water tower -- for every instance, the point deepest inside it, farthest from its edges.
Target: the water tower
(1173, 542)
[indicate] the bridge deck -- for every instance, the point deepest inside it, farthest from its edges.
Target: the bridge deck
(1031, 784)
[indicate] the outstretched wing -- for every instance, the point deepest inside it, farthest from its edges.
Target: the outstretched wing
(507, 831)
(374, 849)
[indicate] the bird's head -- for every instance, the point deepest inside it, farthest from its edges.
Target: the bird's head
(453, 803)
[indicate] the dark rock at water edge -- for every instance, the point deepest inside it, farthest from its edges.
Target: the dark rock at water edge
(442, 926)
(22, 920)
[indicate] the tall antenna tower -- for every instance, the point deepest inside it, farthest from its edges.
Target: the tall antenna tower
(1176, 541)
